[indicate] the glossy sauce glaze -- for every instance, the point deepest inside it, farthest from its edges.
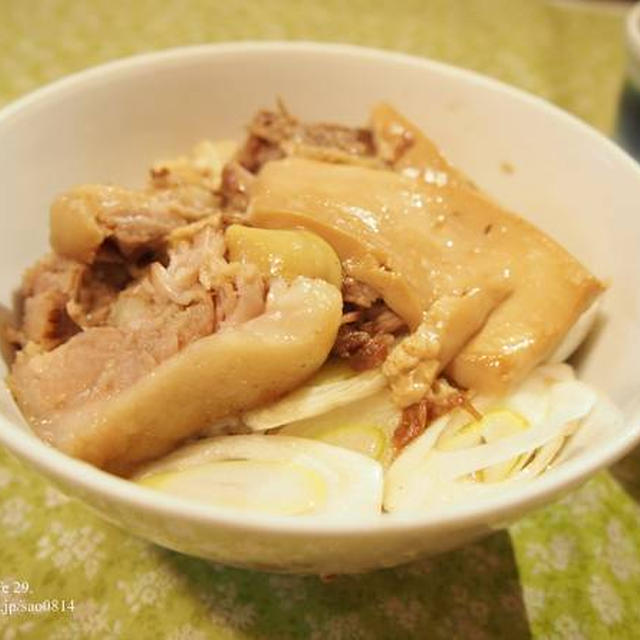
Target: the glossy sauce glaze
(417, 243)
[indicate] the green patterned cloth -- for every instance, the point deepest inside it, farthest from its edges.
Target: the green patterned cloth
(569, 571)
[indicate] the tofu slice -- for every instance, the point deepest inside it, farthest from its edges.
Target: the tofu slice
(415, 242)
(407, 150)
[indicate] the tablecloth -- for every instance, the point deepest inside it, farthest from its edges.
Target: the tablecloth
(571, 570)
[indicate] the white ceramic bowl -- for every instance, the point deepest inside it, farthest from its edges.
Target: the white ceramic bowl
(109, 123)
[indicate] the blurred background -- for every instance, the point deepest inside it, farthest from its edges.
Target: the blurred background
(570, 52)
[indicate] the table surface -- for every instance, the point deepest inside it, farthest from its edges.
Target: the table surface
(571, 570)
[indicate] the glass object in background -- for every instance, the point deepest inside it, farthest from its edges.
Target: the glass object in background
(628, 127)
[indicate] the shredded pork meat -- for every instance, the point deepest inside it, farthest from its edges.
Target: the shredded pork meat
(368, 331)
(47, 289)
(235, 189)
(358, 293)
(274, 134)
(150, 320)
(441, 398)
(59, 297)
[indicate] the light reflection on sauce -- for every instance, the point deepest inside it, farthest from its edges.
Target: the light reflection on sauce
(525, 343)
(439, 178)
(366, 217)
(417, 201)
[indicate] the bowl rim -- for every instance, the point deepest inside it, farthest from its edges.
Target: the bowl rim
(68, 470)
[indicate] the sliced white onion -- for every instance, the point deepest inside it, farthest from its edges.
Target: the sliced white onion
(365, 426)
(569, 401)
(438, 467)
(542, 458)
(576, 335)
(408, 484)
(555, 372)
(496, 426)
(279, 475)
(530, 399)
(320, 395)
(604, 422)
(268, 486)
